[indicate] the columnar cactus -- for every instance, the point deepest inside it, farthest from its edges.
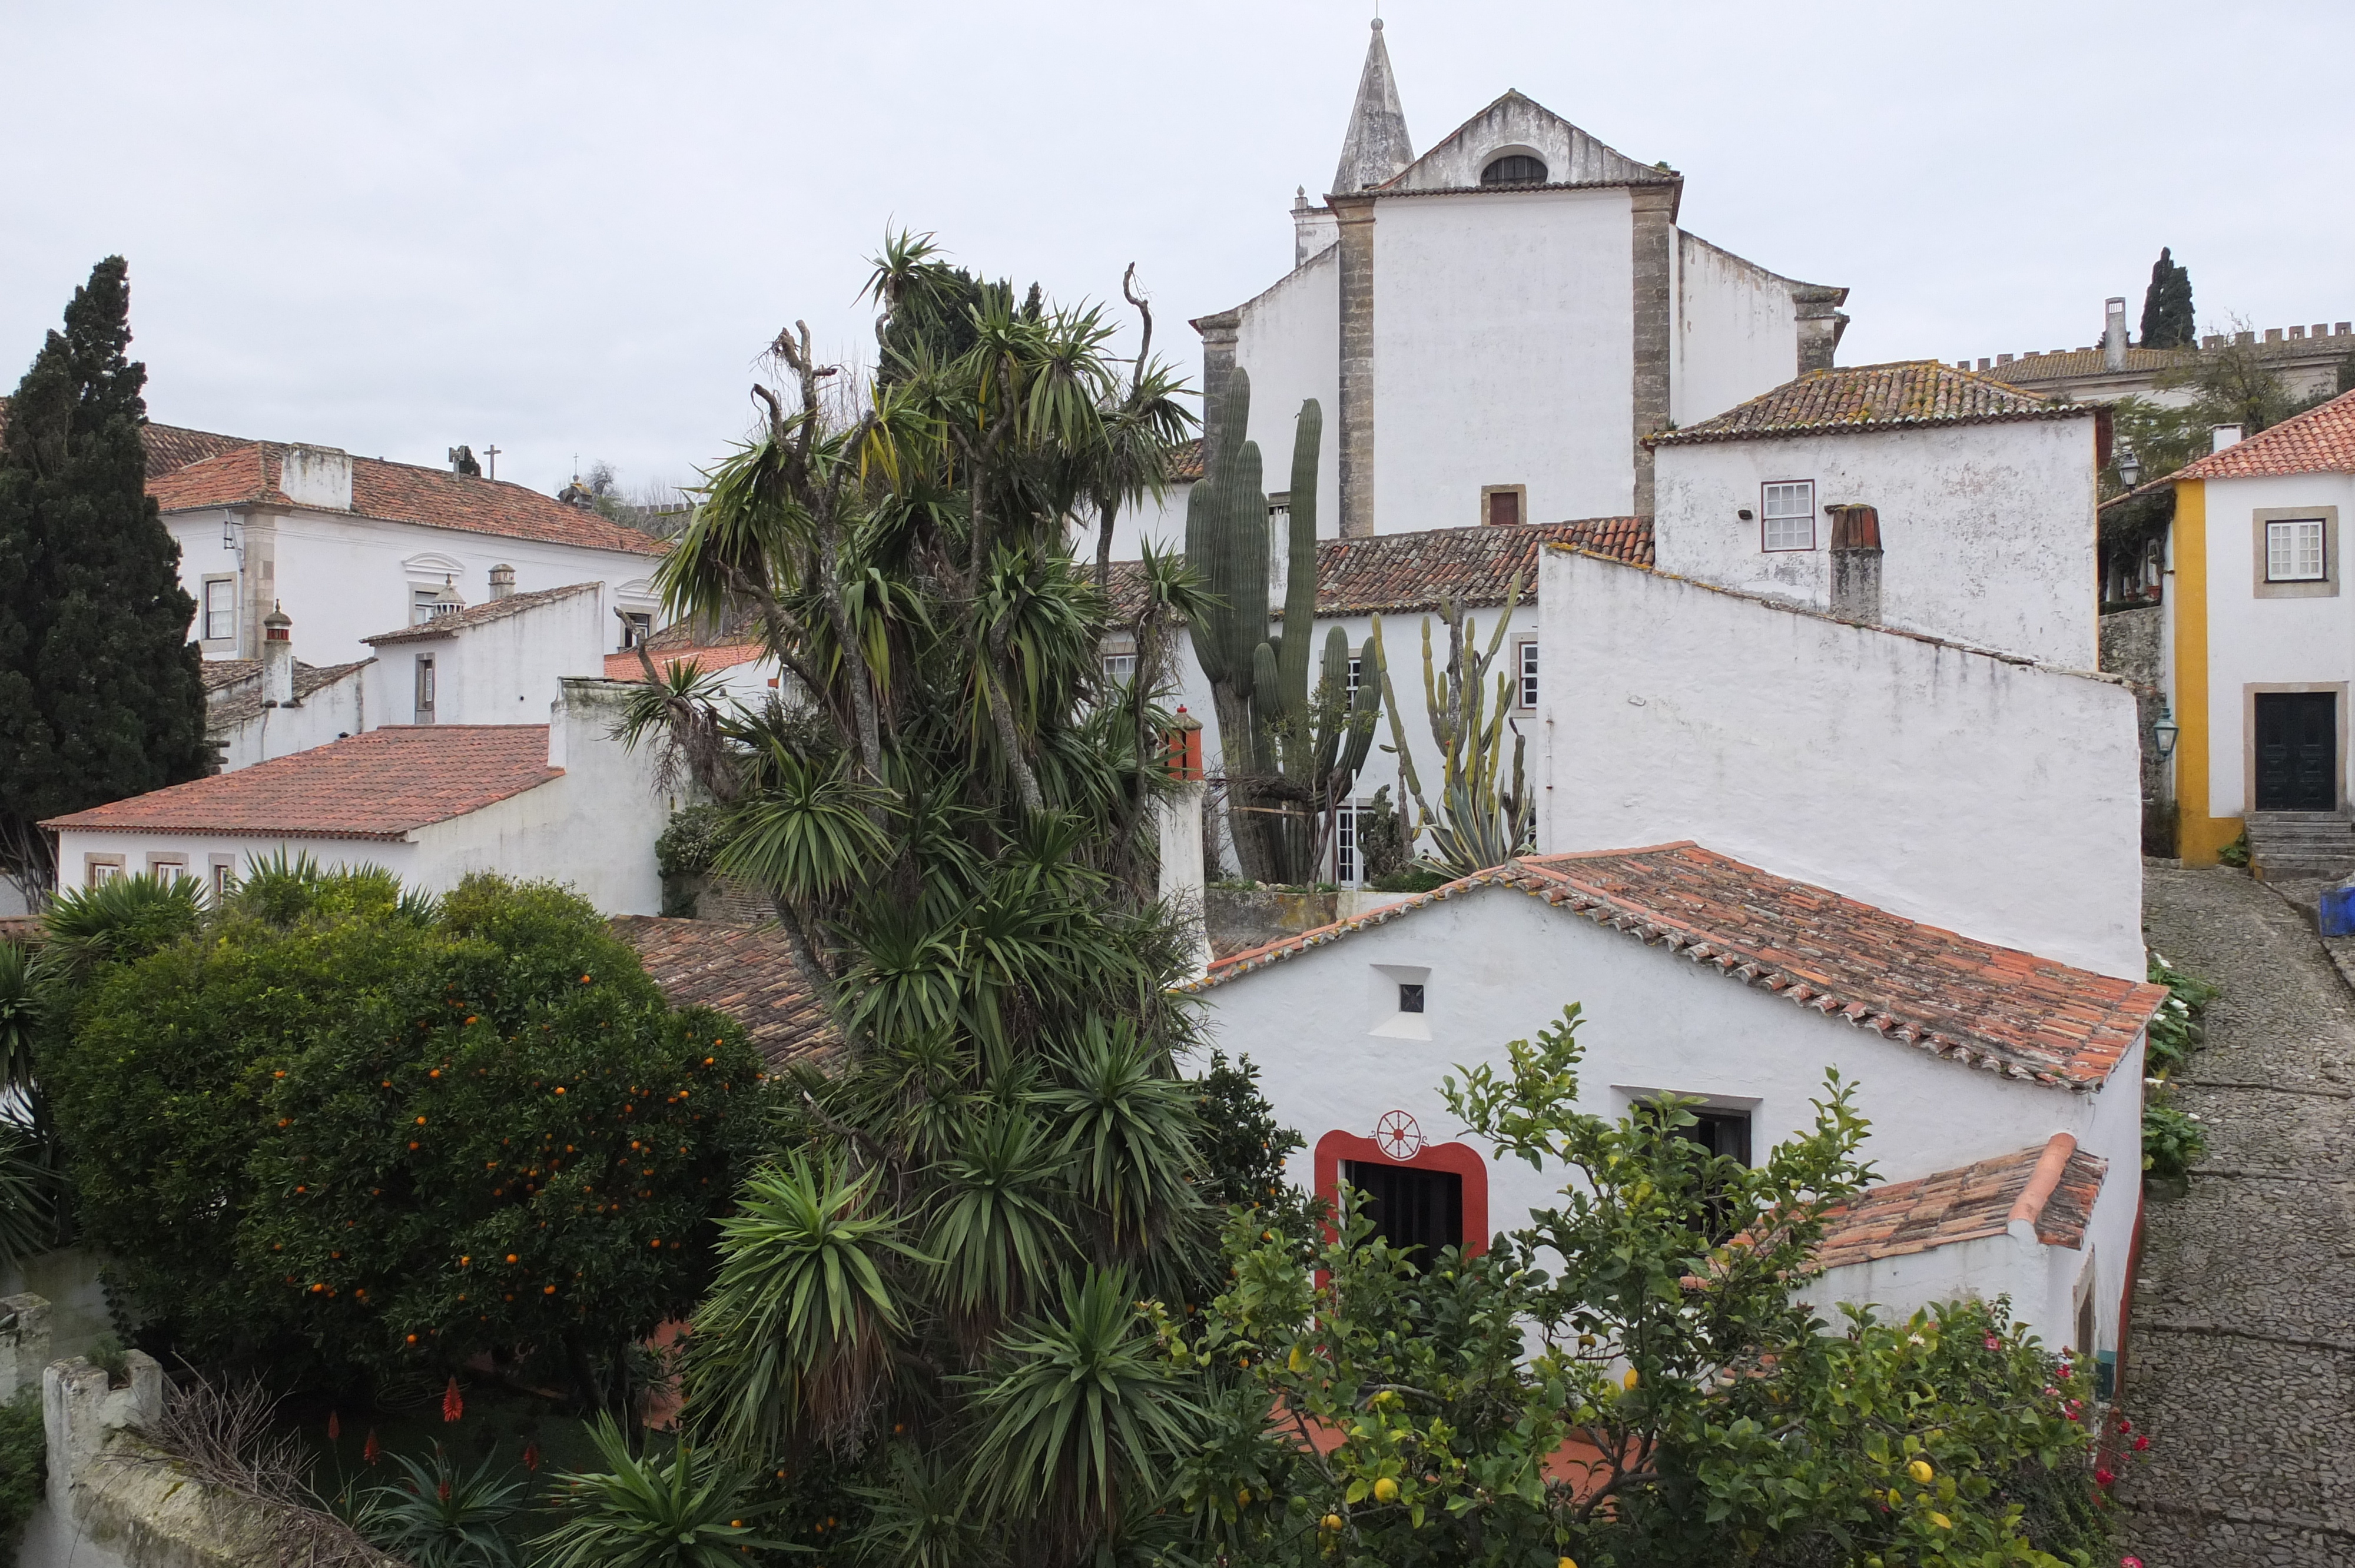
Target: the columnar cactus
(1290, 754)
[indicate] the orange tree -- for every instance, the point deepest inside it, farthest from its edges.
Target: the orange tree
(1614, 1384)
(381, 1135)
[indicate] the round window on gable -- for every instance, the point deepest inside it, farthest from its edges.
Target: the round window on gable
(1514, 169)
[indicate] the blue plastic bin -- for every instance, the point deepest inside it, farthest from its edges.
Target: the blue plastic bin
(2338, 911)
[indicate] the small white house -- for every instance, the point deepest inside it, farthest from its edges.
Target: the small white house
(2260, 629)
(563, 801)
(493, 662)
(1983, 496)
(256, 709)
(347, 546)
(2007, 1087)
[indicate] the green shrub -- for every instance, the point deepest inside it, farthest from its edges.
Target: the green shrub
(643, 1513)
(24, 1467)
(393, 1136)
(2234, 854)
(439, 1517)
(2176, 1029)
(2172, 1141)
(1420, 877)
(689, 845)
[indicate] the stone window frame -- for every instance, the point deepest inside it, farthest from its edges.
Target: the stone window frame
(2325, 587)
(91, 865)
(1521, 492)
(204, 608)
(161, 861)
(221, 876)
(2250, 692)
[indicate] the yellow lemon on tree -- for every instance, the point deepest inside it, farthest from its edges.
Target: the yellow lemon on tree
(1386, 1490)
(1565, 1563)
(1332, 1522)
(1942, 1521)
(1630, 1380)
(1896, 1498)
(1920, 1470)
(1297, 1361)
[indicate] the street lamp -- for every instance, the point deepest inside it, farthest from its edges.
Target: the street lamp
(2165, 731)
(2129, 468)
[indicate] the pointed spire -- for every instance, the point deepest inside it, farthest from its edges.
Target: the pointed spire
(1377, 147)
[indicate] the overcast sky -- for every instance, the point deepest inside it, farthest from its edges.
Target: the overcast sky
(569, 229)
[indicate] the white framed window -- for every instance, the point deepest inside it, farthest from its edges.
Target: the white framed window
(637, 626)
(420, 605)
(2295, 551)
(1525, 674)
(1345, 845)
(1120, 668)
(98, 870)
(1787, 514)
(166, 868)
(1356, 674)
(220, 609)
(220, 878)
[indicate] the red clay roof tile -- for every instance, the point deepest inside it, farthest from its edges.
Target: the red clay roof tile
(2321, 440)
(384, 784)
(1968, 1204)
(474, 615)
(1969, 1001)
(748, 973)
(1899, 396)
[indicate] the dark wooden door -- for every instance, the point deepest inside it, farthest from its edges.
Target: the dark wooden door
(2298, 751)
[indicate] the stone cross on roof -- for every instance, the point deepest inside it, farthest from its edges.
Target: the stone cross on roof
(1376, 147)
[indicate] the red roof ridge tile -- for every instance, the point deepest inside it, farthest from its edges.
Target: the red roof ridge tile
(1998, 1009)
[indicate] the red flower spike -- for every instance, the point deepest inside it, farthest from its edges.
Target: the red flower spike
(370, 1450)
(531, 1456)
(335, 1427)
(454, 1404)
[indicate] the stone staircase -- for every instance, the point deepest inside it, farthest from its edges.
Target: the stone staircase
(2296, 846)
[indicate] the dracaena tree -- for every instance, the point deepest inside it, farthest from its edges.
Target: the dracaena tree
(935, 1279)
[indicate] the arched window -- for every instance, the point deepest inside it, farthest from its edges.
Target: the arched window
(1514, 169)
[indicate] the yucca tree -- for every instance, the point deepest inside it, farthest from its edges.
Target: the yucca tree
(947, 803)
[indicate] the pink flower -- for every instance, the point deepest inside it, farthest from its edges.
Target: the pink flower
(2129, 1563)
(1993, 1343)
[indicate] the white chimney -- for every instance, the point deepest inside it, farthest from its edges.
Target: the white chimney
(2113, 333)
(316, 476)
(502, 581)
(2223, 436)
(277, 659)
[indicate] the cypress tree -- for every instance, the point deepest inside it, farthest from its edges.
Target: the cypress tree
(2166, 320)
(100, 691)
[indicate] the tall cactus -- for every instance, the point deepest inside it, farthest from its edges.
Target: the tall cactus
(1480, 820)
(1290, 754)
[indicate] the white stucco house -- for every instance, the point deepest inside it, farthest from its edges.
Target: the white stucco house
(492, 662)
(1983, 496)
(2259, 634)
(351, 546)
(561, 800)
(2004, 1088)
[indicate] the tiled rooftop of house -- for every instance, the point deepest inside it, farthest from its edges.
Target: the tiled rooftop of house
(220, 674)
(1968, 1205)
(403, 493)
(1900, 396)
(473, 615)
(1997, 1007)
(2321, 440)
(2322, 340)
(170, 447)
(384, 784)
(309, 679)
(748, 973)
(1184, 463)
(1388, 574)
(706, 660)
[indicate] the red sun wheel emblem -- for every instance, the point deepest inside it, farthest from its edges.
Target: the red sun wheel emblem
(1398, 1136)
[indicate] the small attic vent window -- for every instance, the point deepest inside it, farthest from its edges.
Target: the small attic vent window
(1514, 169)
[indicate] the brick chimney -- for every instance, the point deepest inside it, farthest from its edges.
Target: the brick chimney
(277, 659)
(1856, 563)
(502, 581)
(2113, 333)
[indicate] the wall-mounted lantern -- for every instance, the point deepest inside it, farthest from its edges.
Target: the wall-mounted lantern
(2163, 731)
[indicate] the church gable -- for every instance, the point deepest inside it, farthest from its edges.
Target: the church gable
(1516, 125)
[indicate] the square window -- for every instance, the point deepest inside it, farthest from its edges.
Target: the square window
(220, 608)
(1526, 673)
(1120, 668)
(2293, 551)
(637, 626)
(1787, 514)
(1411, 997)
(101, 869)
(1504, 508)
(166, 868)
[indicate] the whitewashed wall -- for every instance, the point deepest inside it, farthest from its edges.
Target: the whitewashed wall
(343, 578)
(338, 708)
(2268, 641)
(1737, 331)
(1987, 795)
(1504, 354)
(1161, 519)
(1986, 531)
(1499, 966)
(499, 672)
(1289, 339)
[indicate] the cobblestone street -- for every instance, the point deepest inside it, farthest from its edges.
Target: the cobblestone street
(2242, 1360)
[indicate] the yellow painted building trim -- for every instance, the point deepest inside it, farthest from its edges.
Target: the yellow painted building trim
(2197, 835)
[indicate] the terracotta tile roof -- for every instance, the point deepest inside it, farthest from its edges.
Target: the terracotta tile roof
(625, 665)
(384, 784)
(1968, 1205)
(403, 492)
(2070, 363)
(1627, 539)
(241, 705)
(1184, 463)
(2321, 440)
(482, 614)
(221, 673)
(20, 928)
(1999, 1008)
(748, 973)
(170, 447)
(1901, 396)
